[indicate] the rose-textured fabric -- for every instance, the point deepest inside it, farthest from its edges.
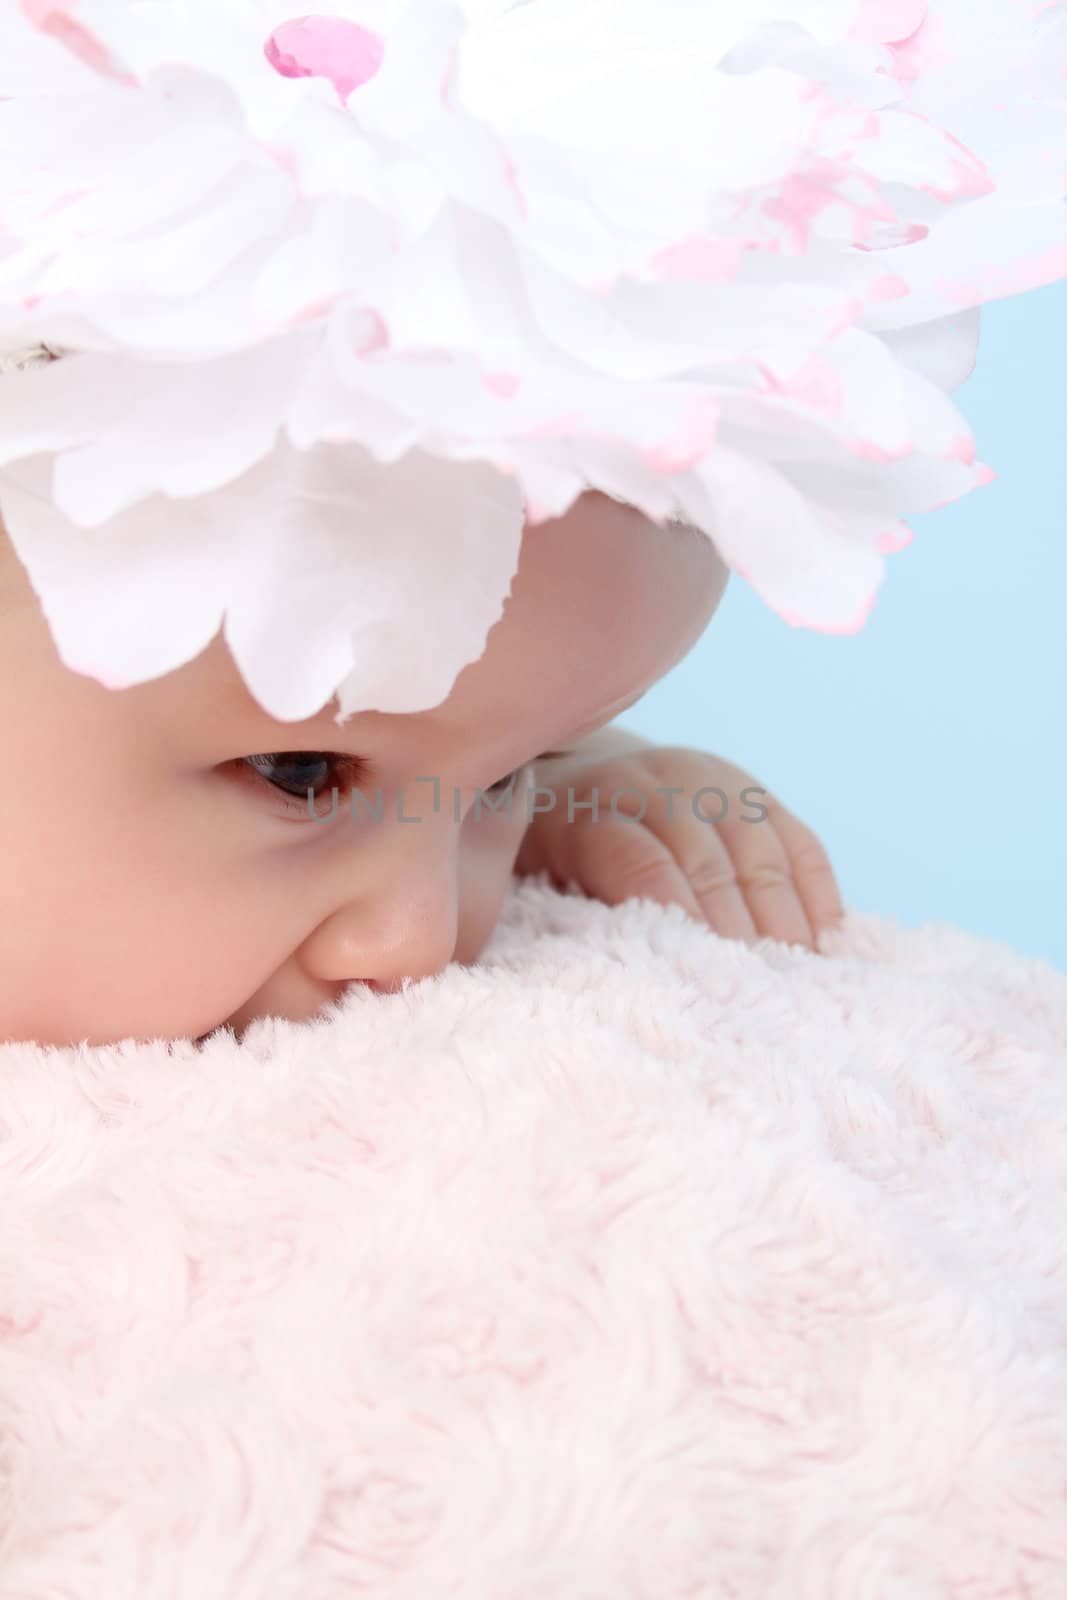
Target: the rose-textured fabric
(343, 298)
(631, 1263)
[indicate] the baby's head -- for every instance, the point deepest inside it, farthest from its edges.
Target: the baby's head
(157, 883)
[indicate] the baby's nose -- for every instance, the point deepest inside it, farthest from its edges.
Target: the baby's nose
(406, 927)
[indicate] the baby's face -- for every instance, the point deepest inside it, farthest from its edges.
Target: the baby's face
(156, 884)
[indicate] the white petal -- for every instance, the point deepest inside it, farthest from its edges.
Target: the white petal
(709, 258)
(224, 416)
(315, 562)
(798, 556)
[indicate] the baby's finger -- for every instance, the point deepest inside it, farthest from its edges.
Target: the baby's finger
(615, 860)
(707, 867)
(665, 856)
(812, 871)
(764, 874)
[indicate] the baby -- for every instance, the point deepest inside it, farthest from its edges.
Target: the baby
(176, 860)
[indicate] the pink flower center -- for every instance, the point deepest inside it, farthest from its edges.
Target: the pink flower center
(325, 47)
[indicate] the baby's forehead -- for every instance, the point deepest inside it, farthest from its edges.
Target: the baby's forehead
(559, 655)
(592, 619)
(608, 577)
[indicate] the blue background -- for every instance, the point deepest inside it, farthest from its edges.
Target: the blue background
(929, 752)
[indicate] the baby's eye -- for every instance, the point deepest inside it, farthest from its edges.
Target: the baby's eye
(546, 755)
(294, 772)
(502, 783)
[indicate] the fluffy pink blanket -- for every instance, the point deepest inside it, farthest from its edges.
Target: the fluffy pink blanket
(632, 1263)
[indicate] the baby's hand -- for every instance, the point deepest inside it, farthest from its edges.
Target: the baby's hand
(732, 855)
